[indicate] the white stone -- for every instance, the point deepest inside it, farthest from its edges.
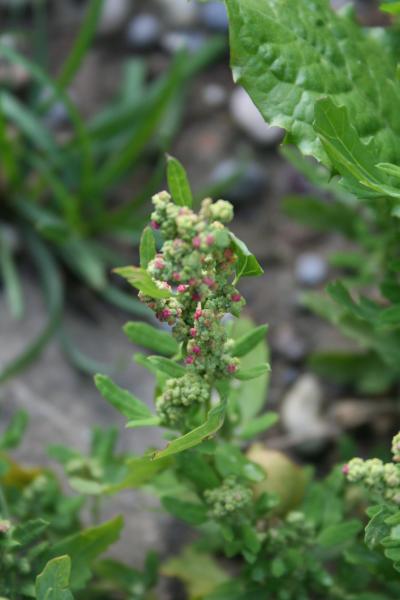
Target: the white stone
(249, 119)
(114, 15)
(311, 269)
(301, 414)
(179, 13)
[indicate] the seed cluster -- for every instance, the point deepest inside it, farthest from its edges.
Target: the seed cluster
(228, 499)
(196, 265)
(180, 394)
(381, 478)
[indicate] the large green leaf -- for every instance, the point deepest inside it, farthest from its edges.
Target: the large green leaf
(349, 156)
(53, 581)
(288, 55)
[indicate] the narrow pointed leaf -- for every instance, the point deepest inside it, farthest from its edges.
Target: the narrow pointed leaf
(125, 402)
(149, 337)
(141, 280)
(178, 182)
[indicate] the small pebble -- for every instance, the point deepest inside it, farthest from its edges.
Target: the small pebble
(247, 116)
(301, 415)
(114, 15)
(143, 31)
(214, 95)
(179, 13)
(249, 180)
(174, 41)
(214, 16)
(311, 269)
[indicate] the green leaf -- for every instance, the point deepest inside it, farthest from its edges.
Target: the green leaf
(84, 547)
(149, 337)
(53, 293)
(389, 169)
(250, 395)
(252, 372)
(192, 513)
(125, 402)
(29, 531)
(81, 44)
(338, 534)
(354, 160)
(168, 366)
(12, 436)
(247, 342)
(30, 126)
(276, 50)
(390, 316)
(137, 472)
(178, 182)
(215, 420)
(377, 529)
(229, 460)
(53, 581)
(246, 264)
(199, 571)
(391, 7)
(10, 278)
(147, 247)
(141, 280)
(253, 428)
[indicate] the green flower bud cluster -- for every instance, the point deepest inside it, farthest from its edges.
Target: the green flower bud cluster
(383, 479)
(179, 395)
(294, 530)
(228, 499)
(196, 264)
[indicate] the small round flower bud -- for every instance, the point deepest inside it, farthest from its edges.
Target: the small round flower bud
(228, 499)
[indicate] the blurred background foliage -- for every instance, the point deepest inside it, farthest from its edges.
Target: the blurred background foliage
(60, 173)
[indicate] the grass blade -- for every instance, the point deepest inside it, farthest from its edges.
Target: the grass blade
(53, 293)
(81, 44)
(11, 279)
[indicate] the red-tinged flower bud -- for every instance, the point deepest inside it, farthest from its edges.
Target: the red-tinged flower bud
(189, 360)
(198, 313)
(196, 243)
(210, 240)
(193, 332)
(159, 263)
(166, 313)
(192, 281)
(181, 288)
(236, 297)
(231, 368)
(196, 297)
(345, 469)
(154, 225)
(176, 276)
(208, 281)
(196, 350)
